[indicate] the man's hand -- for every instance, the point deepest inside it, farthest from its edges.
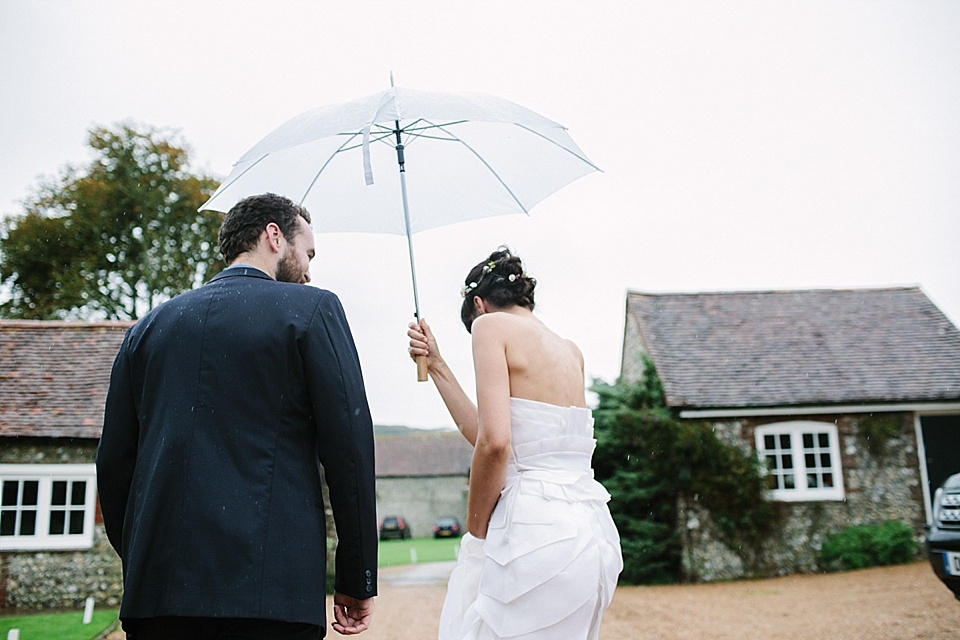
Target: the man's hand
(351, 615)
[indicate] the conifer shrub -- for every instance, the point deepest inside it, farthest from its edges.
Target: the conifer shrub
(649, 461)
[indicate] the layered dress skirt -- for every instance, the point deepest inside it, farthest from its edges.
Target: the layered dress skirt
(549, 564)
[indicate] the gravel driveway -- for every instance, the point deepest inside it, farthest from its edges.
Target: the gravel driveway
(905, 602)
(887, 603)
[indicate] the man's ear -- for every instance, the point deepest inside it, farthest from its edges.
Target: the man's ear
(273, 236)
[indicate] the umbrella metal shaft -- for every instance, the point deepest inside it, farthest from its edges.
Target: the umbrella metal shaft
(406, 220)
(421, 360)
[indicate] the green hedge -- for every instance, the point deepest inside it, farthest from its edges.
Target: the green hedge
(864, 546)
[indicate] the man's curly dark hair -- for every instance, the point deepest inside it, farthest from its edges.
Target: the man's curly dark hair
(247, 219)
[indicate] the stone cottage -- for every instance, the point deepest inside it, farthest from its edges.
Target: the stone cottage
(422, 477)
(53, 384)
(851, 398)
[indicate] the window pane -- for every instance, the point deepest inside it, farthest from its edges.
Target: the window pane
(78, 493)
(30, 490)
(59, 496)
(825, 460)
(812, 481)
(8, 522)
(771, 462)
(784, 440)
(788, 482)
(824, 440)
(76, 522)
(810, 460)
(10, 490)
(28, 523)
(808, 441)
(57, 521)
(828, 480)
(788, 461)
(772, 482)
(769, 442)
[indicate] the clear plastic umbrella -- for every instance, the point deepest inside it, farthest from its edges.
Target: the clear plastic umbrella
(469, 155)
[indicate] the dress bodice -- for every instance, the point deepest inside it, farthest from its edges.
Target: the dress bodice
(551, 449)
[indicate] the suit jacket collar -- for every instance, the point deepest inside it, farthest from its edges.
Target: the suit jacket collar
(231, 272)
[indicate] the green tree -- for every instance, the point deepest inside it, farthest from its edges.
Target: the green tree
(650, 462)
(112, 239)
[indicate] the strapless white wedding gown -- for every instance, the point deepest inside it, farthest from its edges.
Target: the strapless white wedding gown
(549, 564)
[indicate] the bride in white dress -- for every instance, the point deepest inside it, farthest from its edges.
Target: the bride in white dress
(541, 555)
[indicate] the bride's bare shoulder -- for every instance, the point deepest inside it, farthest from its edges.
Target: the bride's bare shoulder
(574, 350)
(499, 321)
(492, 326)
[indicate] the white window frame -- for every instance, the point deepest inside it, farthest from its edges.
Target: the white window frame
(796, 429)
(46, 475)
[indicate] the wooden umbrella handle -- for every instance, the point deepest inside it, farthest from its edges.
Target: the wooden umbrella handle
(421, 368)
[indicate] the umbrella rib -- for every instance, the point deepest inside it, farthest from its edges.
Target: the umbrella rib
(487, 165)
(357, 146)
(575, 155)
(430, 125)
(223, 187)
(411, 131)
(317, 175)
(423, 135)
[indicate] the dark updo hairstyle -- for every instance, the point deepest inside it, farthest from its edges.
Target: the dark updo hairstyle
(243, 223)
(499, 280)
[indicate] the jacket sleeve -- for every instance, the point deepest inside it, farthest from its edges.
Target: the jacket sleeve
(117, 451)
(345, 433)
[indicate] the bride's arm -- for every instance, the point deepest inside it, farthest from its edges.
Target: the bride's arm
(460, 406)
(489, 468)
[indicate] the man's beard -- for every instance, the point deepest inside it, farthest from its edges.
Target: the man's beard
(288, 270)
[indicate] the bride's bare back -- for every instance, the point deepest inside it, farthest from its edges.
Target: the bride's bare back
(542, 366)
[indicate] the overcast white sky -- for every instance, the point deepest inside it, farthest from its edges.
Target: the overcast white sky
(745, 145)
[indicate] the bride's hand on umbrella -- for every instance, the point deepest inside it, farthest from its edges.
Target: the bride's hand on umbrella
(423, 343)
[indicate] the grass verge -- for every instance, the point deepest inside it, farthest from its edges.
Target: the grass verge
(58, 626)
(398, 552)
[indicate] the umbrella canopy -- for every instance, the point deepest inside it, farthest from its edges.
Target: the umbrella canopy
(469, 155)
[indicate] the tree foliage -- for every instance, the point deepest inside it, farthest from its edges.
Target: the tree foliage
(114, 238)
(650, 462)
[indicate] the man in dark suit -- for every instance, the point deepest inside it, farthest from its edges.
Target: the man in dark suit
(223, 404)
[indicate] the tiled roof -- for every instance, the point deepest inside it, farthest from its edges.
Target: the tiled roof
(54, 376)
(787, 348)
(432, 454)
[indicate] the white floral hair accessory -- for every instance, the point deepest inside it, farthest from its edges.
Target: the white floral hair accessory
(488, 268)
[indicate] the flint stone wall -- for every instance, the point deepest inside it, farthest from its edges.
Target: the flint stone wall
(58, 579)
(878, 487)
(64, 579)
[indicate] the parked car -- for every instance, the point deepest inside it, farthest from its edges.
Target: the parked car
(394, 527)
(446, 528)
(943, 536)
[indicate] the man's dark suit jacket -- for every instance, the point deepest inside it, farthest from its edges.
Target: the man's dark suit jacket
(223, 403)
